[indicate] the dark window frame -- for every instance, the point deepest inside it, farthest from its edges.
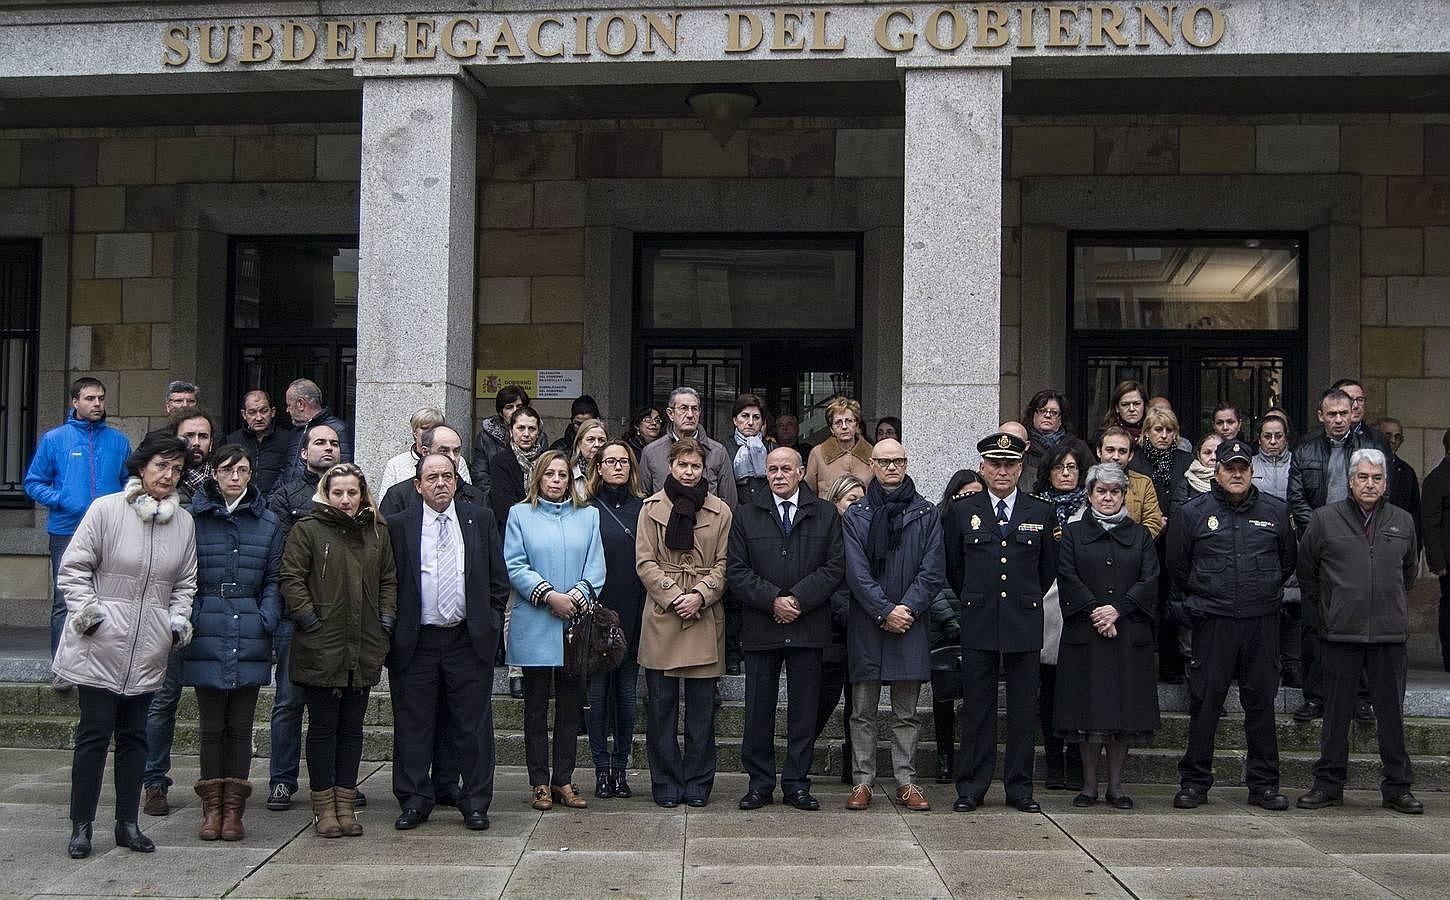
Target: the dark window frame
(12, 495)
(1183, 346)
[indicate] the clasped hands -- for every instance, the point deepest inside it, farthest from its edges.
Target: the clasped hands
(563, 606)
(899, 620)
(1104, 619)
(786, 609)
(688, 605)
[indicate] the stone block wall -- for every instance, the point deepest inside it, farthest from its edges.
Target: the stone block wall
(1403, 166)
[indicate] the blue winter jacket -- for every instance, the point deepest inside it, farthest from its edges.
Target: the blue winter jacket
(238, 603)
(554, 542)
(74, 464)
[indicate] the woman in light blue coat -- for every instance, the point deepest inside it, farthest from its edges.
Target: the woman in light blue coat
(555, 562)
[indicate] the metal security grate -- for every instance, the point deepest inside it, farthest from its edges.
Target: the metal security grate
(19, 352)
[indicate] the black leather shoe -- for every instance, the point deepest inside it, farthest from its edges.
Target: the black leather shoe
(130, 837)
(1189, 798)
(516, 687)
(1120, 801)
(755, 800)
(1083, 801)
(1364, 712)
(1405, 803)
(80, 840)
(1269, 799)
(1308, 711)
(476, 821)
(802, 799)
(409, 819)
(944, 767)
(667, 803)
(603, 784)
(965, 804)
(695, 802)
(1025, 804)
(619, 784)
(1317, 799)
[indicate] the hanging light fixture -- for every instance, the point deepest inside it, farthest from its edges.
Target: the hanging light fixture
(722, 107)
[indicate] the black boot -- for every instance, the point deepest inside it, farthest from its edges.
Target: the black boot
(516, 687)
(944, 767)
(604, 785)
(1074, 768)
(1056, 778)
(129, 836)
(846, 764)
(620, 784)
(80, 840)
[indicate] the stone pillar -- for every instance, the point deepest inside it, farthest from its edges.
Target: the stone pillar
(951, 269)
(415, 260)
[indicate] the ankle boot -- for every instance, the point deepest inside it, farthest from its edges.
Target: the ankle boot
(80, 840)
(234, 803)
(1074, 769)
(604, 784)
(1056, 778)
(324, 811)
(944, 767)
(129, 836)
(620, 785)
(345, 801)
(210, 792)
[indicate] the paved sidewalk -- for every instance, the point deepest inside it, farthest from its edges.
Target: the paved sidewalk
(632, 848)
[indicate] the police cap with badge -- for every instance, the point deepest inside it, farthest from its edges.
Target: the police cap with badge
(1233, 451)
(1002, 447)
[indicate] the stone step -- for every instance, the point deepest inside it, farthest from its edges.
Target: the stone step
(1150, 765)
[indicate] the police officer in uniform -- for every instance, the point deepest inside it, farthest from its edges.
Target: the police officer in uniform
(1001, 560)
(1229, 553)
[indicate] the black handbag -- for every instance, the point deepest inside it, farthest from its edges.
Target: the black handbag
(594, 644)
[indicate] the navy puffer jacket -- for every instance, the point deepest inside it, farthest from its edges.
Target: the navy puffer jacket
(238, 604)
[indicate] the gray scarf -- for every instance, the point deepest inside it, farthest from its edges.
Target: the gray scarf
(1113, 521)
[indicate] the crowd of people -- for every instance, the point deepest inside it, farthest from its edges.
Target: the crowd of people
(1079, 572)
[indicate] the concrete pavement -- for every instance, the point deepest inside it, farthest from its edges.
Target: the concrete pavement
(631, 848)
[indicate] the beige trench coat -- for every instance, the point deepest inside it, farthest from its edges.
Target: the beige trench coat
(683, 648)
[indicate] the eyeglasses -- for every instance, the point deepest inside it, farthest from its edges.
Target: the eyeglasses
(1357, 401)
(899, 463)
(1065, 467)
(614, 462)
(1050, 413)
(651, 420)
(238, 471)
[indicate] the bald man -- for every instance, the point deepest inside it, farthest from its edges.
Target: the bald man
(786, 560)
(1028, 479)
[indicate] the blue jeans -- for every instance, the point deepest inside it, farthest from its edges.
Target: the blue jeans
(58, 543)
(620, 686)
(286, 713)
(161, 725)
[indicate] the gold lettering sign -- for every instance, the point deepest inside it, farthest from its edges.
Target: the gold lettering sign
(943, 30)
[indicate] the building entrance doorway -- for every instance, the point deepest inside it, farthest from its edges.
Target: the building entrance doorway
(770, 315)
(1199, 320)
(292, 308)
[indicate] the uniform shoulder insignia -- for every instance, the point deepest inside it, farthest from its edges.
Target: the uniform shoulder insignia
(1213, 523)
(976, 522)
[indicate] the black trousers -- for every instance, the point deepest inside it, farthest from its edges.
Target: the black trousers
(1311, 652)
(1445, 621)
(568, 713)
(1225, 649)
(1344, 665)
(673, 775)
(226, 731)
(334, 735)
(104, 714)
(733, 614)
(977, 760)
(1291, 637)
(803, 689)
(833, 690)
(444, 673)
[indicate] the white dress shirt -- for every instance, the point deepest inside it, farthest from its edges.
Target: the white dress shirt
(428, 551)
(1010, 500)
(795, 505)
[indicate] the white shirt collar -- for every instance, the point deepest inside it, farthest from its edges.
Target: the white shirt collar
(1010, 500)
(794, 500)
(431, 518)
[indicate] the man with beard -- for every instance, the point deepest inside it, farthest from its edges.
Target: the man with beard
(196, 430)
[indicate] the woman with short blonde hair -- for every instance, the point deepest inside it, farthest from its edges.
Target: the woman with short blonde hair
(845, 452)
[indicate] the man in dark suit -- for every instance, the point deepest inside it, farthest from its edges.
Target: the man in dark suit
(1001, 560)
(452, 587)
(786, 559)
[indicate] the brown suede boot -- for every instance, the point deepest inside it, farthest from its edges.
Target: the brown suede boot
(346, 802)
(210, 792)
(234, 803)
(324, 809)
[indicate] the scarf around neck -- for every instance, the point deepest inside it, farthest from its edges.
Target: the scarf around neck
(1162, 464)
(685, 503)
(146, 506)
(888, 512)
(1111, 522)
(1065, 503)
(1135, 430)
(749, 456)
(1046, 440)
(527, 458)
(1200, 477)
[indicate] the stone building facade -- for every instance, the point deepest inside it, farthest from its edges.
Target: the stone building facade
(490, 238)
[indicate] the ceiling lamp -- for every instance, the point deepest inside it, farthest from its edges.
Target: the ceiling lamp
(722, 107)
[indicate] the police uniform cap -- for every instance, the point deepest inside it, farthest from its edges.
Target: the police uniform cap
(1002, 446)
(1229, 451)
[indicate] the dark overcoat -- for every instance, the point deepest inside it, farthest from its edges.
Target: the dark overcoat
(765, 563)
(1000, 580)
(1106, 684)
(912, 577)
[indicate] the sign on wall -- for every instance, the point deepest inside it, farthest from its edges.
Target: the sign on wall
(540, 384)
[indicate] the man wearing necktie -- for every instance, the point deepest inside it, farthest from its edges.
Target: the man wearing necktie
(452, 586)
(786, 560)
(1000, 560)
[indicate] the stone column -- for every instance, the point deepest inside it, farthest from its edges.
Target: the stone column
(415, 261)
(951, 269)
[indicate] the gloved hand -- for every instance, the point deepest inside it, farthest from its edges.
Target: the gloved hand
(180, 630)
(87, 619)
